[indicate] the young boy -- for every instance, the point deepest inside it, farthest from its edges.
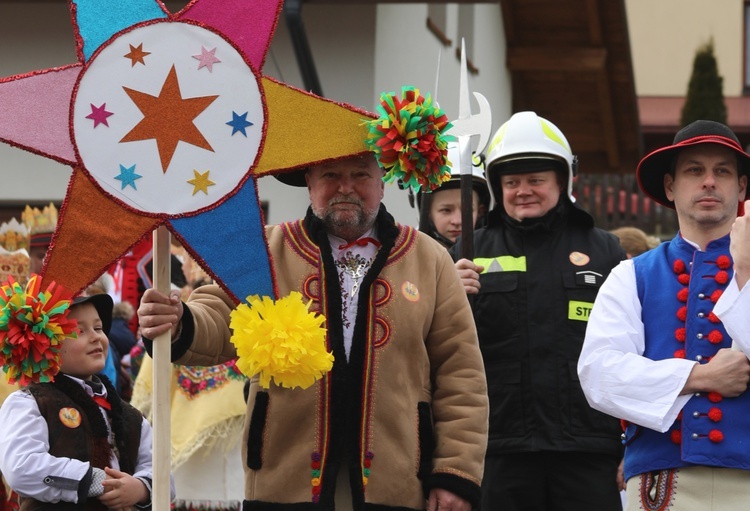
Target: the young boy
(74, 440)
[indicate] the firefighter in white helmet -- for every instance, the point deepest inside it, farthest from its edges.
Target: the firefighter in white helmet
(537, 268)
(440, 210)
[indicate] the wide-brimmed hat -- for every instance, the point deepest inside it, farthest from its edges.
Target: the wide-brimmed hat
(293, 178)
(103, 304)
(655, 165)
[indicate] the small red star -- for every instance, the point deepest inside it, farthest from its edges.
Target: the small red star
(136, 55)
(168, 118)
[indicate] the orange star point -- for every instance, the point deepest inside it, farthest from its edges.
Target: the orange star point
(168, 118)
(136, 55)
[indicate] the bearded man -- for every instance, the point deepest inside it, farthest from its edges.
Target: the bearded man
(400, 422)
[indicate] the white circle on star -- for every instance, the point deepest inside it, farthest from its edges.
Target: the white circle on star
(168, 118)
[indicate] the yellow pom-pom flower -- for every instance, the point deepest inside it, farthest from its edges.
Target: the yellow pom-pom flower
(281, 341)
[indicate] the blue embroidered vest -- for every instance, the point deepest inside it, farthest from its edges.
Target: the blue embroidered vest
(678, 286)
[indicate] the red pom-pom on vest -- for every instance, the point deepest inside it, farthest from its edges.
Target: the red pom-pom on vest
(676, 436)
(682, 313)
(723, 262)
(680, 334)
(715, 337)
(715, 397)
(715, 414)
(682, 295)
(722, 277)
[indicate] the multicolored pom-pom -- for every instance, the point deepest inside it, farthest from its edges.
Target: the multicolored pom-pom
(33, 324)
(410, 140)
(281, 341)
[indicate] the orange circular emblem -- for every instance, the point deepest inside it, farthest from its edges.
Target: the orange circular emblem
(579, 258)
(70, 417)
(410, 291)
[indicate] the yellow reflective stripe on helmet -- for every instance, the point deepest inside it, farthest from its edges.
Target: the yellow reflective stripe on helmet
(579, 311)
(497, 138)
(552, 135)
(501, 263)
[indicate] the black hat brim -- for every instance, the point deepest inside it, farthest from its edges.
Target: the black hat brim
(293, 178)
(654, 166)
(103, 304)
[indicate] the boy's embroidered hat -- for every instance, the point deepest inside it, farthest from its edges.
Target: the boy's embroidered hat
(655, 165)
(103, 304)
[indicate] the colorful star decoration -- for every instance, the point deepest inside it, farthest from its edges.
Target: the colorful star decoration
(207, 59)
(170, 119)
(99, 115)
(201, 182)
(239, 123)
(128, 176)
(136, 55)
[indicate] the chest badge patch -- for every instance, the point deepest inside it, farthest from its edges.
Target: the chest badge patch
(579, 258)
(70, 417)
(410, 291)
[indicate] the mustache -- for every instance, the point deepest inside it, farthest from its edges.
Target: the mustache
(351, 199)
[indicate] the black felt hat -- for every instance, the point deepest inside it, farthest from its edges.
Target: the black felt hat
(293, 178)
(103, 304)
(655, 165)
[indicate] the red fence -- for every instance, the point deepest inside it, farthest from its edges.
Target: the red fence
(615, 200)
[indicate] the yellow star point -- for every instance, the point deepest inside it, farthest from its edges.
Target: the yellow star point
(200, 182)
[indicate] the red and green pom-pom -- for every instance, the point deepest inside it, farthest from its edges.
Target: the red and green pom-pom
(410, 140)
(33, 323)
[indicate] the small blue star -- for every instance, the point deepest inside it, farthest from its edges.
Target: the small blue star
(239, 123)
(128, 176)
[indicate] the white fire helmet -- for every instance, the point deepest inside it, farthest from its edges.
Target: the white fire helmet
(526, 136)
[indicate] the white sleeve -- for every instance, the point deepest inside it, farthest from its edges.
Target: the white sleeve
(615, 376)
(732, 309)
(25, 461)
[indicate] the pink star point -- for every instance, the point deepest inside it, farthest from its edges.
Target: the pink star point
(99, 115)
(207, 58)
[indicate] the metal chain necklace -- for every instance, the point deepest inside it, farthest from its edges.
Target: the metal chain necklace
(356, 267)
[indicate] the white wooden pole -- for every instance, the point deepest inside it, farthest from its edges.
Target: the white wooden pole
(162, 378)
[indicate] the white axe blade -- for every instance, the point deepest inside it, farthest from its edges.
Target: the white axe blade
(476, 125)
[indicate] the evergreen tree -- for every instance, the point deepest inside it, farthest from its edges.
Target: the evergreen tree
(705, 96)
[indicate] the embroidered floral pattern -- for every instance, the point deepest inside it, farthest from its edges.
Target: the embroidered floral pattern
(192, 380)
(657, 490)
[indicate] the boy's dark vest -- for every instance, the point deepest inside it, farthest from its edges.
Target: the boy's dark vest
(88, 441)
(678, 287)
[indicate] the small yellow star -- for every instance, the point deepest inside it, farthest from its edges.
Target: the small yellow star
(201, 182)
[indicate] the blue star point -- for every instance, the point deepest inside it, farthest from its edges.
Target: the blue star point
(239, 123)
(127, 176)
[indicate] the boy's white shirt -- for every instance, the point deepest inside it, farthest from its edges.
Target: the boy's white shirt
(24, 451)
